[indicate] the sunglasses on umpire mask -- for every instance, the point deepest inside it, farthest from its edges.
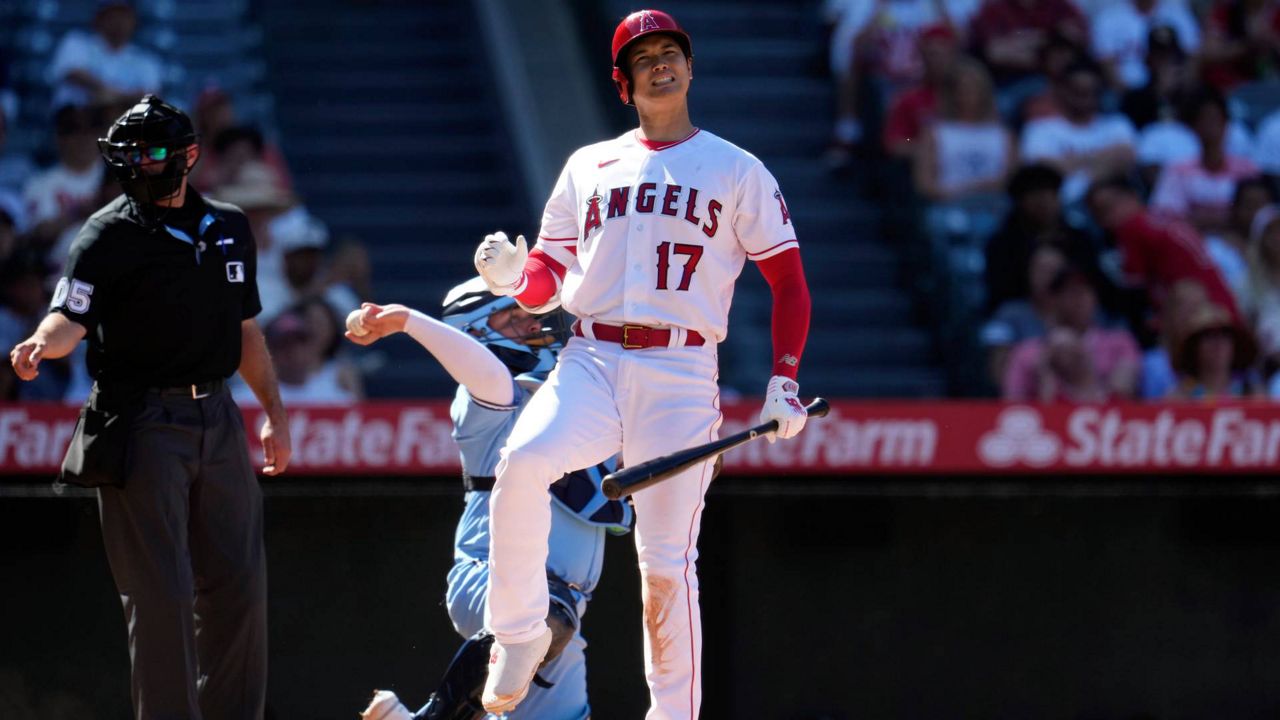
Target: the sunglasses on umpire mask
(133, 155)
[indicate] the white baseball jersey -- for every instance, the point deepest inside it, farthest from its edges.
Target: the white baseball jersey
(658, 237)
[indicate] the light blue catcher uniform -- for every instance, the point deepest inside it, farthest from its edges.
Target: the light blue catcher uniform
(576, 550)
(581, 517)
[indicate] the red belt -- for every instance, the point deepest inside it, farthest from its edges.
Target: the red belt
(637, 337)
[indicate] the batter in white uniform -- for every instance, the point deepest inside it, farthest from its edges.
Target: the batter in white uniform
(642, 240)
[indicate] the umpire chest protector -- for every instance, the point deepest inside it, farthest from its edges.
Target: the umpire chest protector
(162, 297)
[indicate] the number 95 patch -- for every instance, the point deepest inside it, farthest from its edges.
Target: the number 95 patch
(75, 294)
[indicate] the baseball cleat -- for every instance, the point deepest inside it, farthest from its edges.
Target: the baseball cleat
(385, 706)
(511, 670)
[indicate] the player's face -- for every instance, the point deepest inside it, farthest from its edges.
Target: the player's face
(659, 69)
(516, 324)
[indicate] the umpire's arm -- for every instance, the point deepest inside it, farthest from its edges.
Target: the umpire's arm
(56, 337)
(256, 369)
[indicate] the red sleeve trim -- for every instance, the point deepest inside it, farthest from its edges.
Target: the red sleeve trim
(766, 251)
(791, 309)
(541, 279)
(544, 238)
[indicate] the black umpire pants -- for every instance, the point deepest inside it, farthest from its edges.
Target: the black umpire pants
(184, 540)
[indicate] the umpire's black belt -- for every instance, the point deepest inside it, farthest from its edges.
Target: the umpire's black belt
(481, 483)
(194, 391)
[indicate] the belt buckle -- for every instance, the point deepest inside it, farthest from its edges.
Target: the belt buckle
(196, 394)
(626, 337)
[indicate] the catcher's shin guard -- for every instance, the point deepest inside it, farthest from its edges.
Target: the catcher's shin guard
(458, 696)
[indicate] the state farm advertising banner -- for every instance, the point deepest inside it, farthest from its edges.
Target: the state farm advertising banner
(413, 438)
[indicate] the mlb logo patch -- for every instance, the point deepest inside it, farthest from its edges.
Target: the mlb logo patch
(235, 272)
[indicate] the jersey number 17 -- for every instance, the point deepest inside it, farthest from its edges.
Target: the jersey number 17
(666, 250)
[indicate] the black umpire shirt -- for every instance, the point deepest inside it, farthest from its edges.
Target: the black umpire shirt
(162, 300)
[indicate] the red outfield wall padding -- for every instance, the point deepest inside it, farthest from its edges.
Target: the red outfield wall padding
(413, 438)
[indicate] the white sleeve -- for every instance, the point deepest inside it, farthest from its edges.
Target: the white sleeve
(40, 201)
(1105, 39)
(1037, 143)
(558, 236)
(152, 74)
(1188, 30)
(1170, 196)
(1267, 147)
(1122, 131)
(762, 221)
(465, 359)
(70, 55)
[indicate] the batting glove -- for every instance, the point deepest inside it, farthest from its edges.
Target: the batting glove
(501, 264)
(782, 404)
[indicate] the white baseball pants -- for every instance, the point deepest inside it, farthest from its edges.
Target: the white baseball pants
(600, 400)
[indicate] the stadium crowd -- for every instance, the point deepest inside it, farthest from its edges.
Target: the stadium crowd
(96, 73)
(1098, 180)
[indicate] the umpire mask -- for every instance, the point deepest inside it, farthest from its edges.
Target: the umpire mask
(147, 134)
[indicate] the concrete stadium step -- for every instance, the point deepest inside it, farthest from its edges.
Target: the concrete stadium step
(429, 223)
(404, 187)
(392, 115)
(309, 26)
(389, 160)
(745, 20)
(769, 57)
(392, 85)
(870, 346)
(775, 95)
(370, 54)
(899, 382)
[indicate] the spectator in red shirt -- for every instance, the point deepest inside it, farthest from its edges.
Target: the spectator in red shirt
(913, 108)
(1241, 42)
(1156, 253)
(1009, 34)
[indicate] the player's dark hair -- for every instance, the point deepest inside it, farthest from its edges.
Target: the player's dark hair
(1196, 99)
(237, 134)
(1111, 182)
(1032, 178)
(1083, 64)
(1244, 186)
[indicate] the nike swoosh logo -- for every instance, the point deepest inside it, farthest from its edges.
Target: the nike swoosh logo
(607, 163)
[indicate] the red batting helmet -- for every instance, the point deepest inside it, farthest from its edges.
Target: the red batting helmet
(633, 27)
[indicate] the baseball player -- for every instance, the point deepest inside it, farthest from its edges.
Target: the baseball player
(500, 354)
(641, 239)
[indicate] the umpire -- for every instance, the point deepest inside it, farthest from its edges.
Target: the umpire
(163, 284)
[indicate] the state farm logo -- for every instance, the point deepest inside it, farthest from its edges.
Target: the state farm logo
(1019, 436)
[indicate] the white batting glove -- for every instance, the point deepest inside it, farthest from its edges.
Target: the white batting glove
(500, 263)
(781, 403)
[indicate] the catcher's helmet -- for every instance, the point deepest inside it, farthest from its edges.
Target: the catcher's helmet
(633, 27)
(469, 306)
(151, 131)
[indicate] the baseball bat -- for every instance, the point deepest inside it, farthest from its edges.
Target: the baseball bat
(651, 472)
